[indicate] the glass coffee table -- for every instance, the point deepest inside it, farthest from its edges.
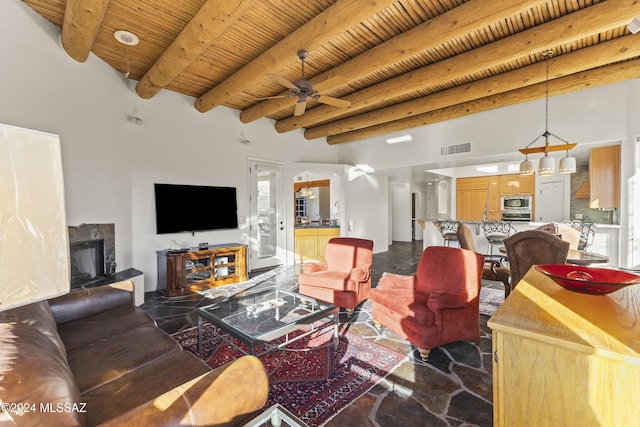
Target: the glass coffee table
(268, 319)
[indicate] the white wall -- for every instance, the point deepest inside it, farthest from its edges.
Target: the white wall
(367, 207)
(401, 212)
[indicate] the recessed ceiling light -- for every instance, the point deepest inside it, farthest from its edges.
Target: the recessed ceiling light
(126, 37)
(403, 138)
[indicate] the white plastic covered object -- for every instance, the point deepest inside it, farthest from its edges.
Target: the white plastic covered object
(34, 248)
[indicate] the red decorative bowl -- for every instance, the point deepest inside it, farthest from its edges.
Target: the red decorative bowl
(588, 280)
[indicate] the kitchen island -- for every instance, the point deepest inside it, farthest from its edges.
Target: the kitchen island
(606, 240)
(311, 241)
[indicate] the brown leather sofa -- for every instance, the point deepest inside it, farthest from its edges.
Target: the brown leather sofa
(91, 357)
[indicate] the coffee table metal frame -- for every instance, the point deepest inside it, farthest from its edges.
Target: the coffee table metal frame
(276, 415)
(233, 317)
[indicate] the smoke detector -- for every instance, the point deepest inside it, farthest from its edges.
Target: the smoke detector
(126, 37)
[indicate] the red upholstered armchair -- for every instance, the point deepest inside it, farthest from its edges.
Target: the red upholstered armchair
(438, 305)
(344, 277)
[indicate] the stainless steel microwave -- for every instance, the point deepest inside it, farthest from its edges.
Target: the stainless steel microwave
(516, 203)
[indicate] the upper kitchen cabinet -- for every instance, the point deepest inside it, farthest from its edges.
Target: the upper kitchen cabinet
(604, 177)
(516, 184)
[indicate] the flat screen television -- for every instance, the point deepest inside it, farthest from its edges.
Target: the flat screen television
(194, 208)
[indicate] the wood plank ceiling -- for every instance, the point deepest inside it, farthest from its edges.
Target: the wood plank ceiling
(400, 64)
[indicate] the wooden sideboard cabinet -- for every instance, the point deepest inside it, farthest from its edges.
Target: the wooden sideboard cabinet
(561, 358)
(181, 272)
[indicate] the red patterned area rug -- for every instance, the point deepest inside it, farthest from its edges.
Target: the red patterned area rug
(314, 385)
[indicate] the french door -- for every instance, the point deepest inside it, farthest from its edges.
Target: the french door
(267, 224)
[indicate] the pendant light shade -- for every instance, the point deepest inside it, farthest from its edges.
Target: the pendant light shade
(567, 164)
(547, 166)
(526, 167)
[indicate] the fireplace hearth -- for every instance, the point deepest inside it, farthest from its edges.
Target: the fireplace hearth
(92, 253)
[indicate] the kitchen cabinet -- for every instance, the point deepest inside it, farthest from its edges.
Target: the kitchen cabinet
(516, 184)
(311, 243)
(494, 197)
(471, 205)
(471, 198)
(562, 358)
(604, 177)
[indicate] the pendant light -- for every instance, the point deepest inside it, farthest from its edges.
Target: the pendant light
(546, 165)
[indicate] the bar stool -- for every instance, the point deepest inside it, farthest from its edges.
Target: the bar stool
(449, 231)
(496, 231)
(586, 232)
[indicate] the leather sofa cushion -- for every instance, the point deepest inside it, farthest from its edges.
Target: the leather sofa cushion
(37, 315)
(78, 333)
(141, 385)
(97, 363)
(82, 303)
(34, 368)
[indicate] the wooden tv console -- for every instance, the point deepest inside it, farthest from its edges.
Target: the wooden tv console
(190, 270)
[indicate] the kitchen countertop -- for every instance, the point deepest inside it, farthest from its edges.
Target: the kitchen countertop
(297, 227)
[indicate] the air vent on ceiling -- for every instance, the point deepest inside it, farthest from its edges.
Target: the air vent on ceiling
(448, 150)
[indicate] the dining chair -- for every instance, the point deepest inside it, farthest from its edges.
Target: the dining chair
(343, 278)
(563, 231)
(437, 305)
(448, 229)
(532, 247)
(494, 268)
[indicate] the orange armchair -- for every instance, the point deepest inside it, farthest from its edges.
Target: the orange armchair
(344, 277)
(438, 305)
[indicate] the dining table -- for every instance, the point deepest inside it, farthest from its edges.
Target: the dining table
(579, 257)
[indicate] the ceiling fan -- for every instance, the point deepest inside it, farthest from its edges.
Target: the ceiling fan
(304, 90)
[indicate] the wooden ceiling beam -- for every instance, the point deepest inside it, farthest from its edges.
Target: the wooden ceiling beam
(211, 21)
(82, 20)
(616, 50)
(453, 24)
(587, 79)
(334, 20)
(584, 23)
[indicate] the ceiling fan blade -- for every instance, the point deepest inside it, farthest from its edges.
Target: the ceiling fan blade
(340, 103)
(279, 79)
(330, 83)
(301, 106)
(272, 97)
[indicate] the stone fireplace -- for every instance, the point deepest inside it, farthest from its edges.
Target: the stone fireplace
(92, 253)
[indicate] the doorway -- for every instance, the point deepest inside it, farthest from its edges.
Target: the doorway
(267, 215)
(551, 203)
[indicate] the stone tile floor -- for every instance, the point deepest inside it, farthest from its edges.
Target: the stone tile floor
(453, 388)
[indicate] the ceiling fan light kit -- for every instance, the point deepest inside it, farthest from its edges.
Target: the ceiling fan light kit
(546, 166)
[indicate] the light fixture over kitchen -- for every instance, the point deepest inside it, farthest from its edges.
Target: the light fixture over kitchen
(547, 165)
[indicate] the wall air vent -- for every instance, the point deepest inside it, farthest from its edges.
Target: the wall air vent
(448, 150)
